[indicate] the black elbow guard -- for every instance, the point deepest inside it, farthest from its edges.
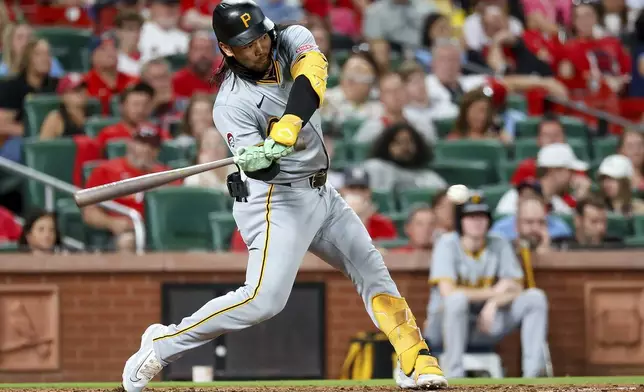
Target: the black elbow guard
(266, 174)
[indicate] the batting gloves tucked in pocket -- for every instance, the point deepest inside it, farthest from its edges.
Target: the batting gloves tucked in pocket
(252, 158)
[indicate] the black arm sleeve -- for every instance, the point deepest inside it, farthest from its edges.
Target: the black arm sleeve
(265, 174)
(303, 101)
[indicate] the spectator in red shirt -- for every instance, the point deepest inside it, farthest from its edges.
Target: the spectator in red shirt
(197, 14)
(9, 228)
(357, 194)
(419, 229)
(593, 60)
(549, 131)
(195, 77)
(104, 80)
(135, 110)
(140, 159)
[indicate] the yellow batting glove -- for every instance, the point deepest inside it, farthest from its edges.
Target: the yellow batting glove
(285, 131)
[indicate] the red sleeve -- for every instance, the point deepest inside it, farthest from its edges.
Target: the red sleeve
(186, 5)
(525, 171)
(102, 138)
(625, 62)
(165, 135)
(99, 176)
(381, 228)
(237, 243)
(9, 228)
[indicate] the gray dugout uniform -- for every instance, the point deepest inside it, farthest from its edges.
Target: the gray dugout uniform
(280, 223)
(452, 320)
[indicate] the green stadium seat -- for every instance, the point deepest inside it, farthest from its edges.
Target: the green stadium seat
(71, 224)
(115, 105)
(222, 226)
(528, 148)
(340, 56)
(94, 125)
(350, 128)
(177, 217)
(177, 61)
(178, 163)
(638, 225)
(340, 155)
(444, 126)
(8, 247)
(399, 219)
(55, 157)
(89, 166)
(493, 193)
(391, 244)
(604, 147)
(332, 81)
(360, 152)
(618, 226)
(473, 174)
(491, 151)
(38, 106)
(411, 196)
(517, 102)
(506, 169)
(573, 127)
(385, 201)
(69, 45)
(169, 151)
(634, 242)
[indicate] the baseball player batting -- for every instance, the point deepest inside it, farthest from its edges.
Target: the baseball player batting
(272, 83)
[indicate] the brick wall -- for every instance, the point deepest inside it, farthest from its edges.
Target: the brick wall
(104, 312)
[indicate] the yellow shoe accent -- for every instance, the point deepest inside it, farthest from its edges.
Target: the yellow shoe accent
(426, 364)
(396, 320)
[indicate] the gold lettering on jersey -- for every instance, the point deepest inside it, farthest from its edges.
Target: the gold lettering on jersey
(245, 18)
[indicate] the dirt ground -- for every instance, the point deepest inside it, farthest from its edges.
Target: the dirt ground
(457, 388)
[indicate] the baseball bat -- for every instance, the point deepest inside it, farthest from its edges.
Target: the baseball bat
(145, 182)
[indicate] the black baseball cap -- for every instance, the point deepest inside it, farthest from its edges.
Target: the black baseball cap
(356, 177)
(476, 204)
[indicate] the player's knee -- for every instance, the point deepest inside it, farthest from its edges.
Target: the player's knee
(456, 303)
(536, 299)
(270, 302)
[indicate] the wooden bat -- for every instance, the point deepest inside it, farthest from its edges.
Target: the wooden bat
(130, 186)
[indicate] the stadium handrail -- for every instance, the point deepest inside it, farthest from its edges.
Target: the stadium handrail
(52, 183)
(604, 118)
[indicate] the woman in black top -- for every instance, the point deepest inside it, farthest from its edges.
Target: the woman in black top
(33, 78)
(69, 119)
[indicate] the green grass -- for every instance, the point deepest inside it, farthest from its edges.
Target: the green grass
(339, 383)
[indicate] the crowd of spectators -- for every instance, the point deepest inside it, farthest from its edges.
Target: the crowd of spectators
(397, 69)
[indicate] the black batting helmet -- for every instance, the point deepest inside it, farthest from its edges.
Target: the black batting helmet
(475, 204)
(240, 22)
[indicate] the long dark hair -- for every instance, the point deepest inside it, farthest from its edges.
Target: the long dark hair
(420, 160)
(229, 66)
(30, 221)
(429, 21)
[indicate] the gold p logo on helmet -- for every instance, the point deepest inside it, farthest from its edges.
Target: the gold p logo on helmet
(245, 18)
(476, 199)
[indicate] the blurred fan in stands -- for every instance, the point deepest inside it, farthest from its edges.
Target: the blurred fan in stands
(32, 78)
(128, 26)
(14, 40)
(197, 119)
(196, 75)
(615, 176)
(400, 160)
(444, 211)
(166, 107)
(353, 98)
(40, 234)
(141, 156)
(631, 145)
(69, 119)
(419, 228)
(211, 147)
(476, 118)
(161, 35)
(394, 103)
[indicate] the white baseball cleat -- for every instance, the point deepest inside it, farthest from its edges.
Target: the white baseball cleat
(143, 365)
(421, 381)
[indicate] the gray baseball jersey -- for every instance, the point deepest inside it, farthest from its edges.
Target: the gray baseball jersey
(243, 109)
(280, 223)
(452, 321)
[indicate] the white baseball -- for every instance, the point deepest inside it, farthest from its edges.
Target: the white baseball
(458, 194)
